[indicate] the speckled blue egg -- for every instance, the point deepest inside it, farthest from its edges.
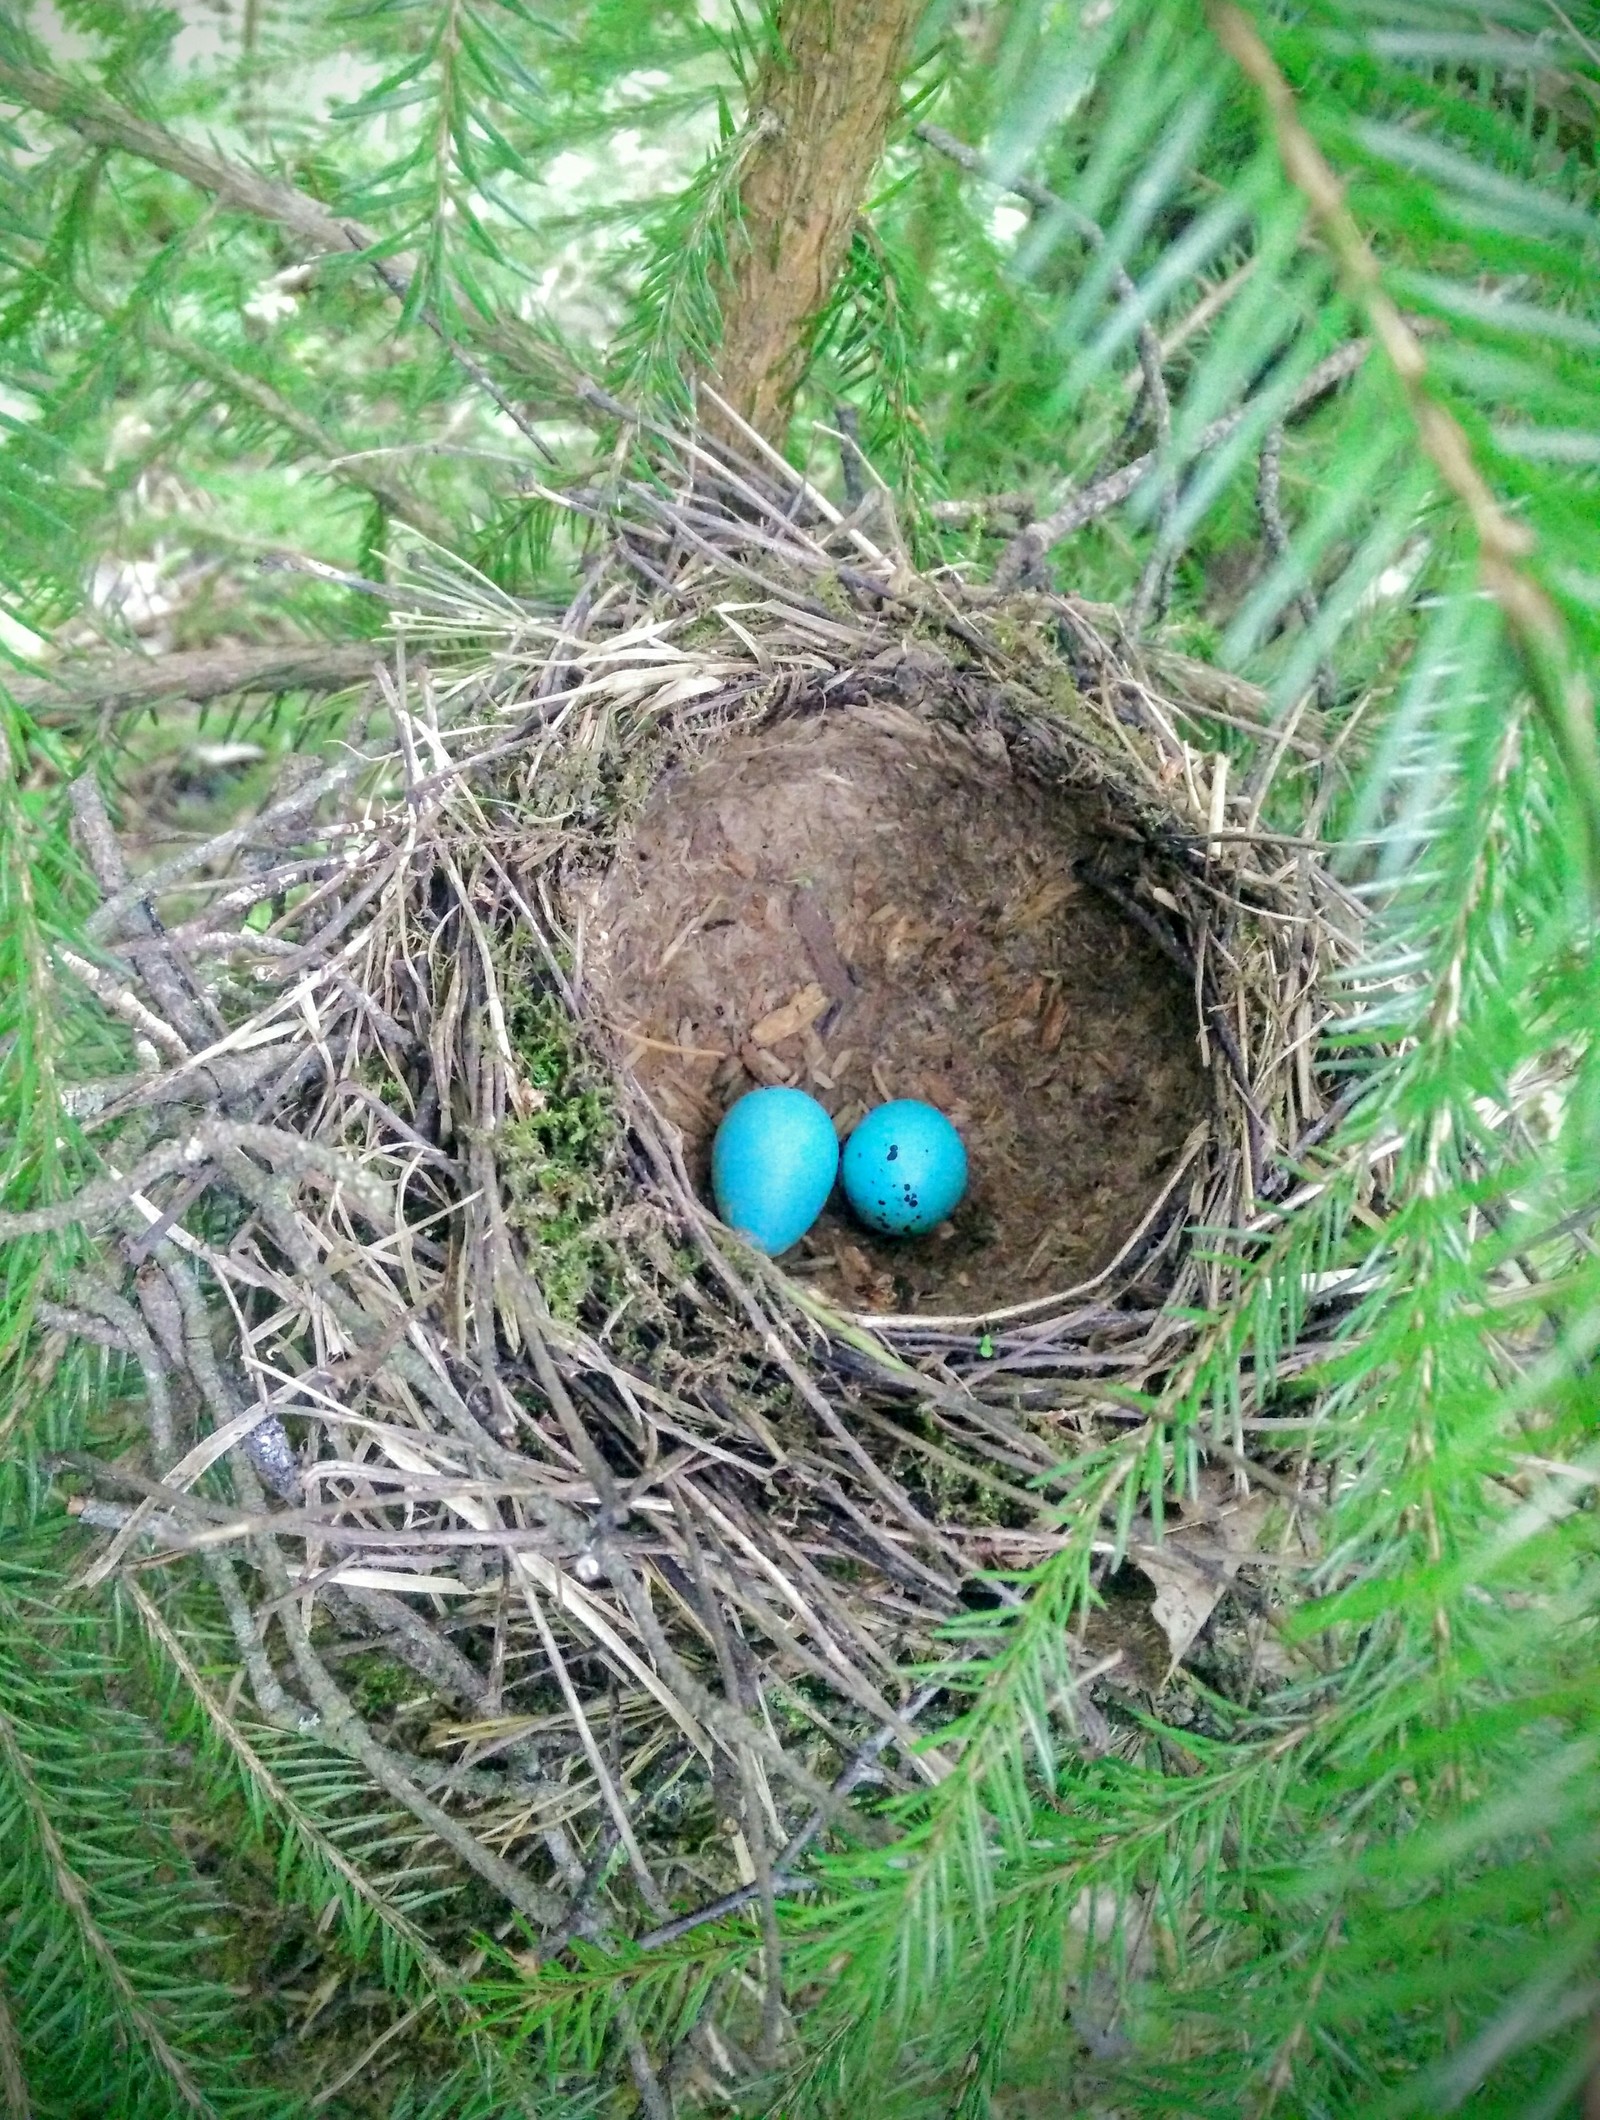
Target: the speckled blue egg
(904, 1168)
(773, 1164)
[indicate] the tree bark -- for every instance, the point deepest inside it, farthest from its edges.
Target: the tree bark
(823, 102)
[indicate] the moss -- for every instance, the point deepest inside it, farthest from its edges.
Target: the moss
(705, 632)
(557, 1158)
(377, 1684)
(831, 593)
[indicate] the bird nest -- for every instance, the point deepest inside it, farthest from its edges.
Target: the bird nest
(411, 1239)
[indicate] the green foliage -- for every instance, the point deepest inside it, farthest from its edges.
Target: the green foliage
(1372, 1888)
(106, 1929)
(558, 1156)
(51, 1034)
(676, 326)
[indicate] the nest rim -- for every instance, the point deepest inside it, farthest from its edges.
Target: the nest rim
(1182, 817)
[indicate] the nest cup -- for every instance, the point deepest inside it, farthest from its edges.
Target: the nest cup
(870, 902)
(761, 799)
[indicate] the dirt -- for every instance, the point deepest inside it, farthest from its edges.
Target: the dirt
(867, 907)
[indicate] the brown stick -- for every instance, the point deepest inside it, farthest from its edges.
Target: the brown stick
(823, 102)
(127, 681)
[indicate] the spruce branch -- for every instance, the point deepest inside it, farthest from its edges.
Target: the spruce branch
(101, 119)
(74, 1895)
(677, 326)
(332, 457)
(242, 388)
(280, 1800)
(14, 2103)
(1505, 546)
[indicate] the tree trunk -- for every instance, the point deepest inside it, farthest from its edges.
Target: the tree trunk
(824, 100)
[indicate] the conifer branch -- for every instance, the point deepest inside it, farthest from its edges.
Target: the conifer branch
(1505, 545)
(73, 1894)
(295, 1818)
(13, 2083)
(100, 119)
(951, 1914)
(332, 458)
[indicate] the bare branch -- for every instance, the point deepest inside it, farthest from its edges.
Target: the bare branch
(1030, 546)
(104, 923)
(126, 682)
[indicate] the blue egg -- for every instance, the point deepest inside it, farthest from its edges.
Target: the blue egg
(773, 1164)
(904, 1168)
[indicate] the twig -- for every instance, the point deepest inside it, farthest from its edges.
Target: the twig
(166, 975)
(104, 922)
(131, 681)
(1041, 197)
(858, 1771)
(1273, 529)
(755, 1838)
(649, 1890)
(1030, 545)
(347, 1730)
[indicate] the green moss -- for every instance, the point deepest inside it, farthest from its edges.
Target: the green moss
(830, 592)
(377, 1684)
(557, 1158)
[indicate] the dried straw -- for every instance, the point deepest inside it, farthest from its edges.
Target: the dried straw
(692, 1525)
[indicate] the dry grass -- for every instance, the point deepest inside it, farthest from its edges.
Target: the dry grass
(396, 1232)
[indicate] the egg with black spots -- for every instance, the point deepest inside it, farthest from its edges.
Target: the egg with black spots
(904, 1168)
